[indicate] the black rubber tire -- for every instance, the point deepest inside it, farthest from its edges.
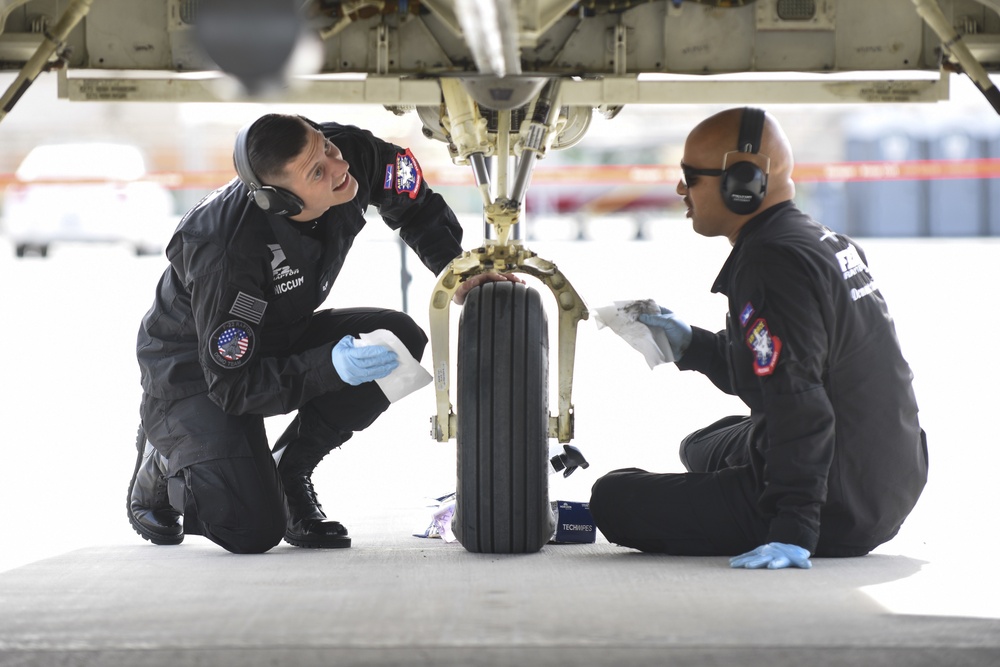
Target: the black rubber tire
(502, 501)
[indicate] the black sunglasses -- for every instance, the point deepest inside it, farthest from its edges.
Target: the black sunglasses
(691, 174)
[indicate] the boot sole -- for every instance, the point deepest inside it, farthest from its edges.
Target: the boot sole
(325, 543)
(150, 536)
(145, 533)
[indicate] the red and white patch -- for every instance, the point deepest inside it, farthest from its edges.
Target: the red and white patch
(408, 174)
(766, 348)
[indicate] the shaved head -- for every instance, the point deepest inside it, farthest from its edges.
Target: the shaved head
(717, 135)
(706, 148)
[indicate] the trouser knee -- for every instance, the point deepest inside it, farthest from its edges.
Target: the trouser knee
(682, 451)
(722, 444)
(609, 499)
(408, 332)
(242, 530)
(236, 503)
(246, 541)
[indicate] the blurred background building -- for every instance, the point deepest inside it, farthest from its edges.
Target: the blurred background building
(865, 170)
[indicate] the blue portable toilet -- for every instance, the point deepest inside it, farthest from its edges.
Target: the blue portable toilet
(956, 206)
(893, 208)
(829, 199)
(992, 142)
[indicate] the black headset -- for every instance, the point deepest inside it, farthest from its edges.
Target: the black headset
(278, 201)
(744, 183)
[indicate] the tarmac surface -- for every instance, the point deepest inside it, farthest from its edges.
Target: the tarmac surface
(78, 587)
(399, 600)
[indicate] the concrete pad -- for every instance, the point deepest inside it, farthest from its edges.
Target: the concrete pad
(394, 599)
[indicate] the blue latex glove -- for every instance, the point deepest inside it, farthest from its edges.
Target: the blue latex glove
(677, 330)
(355, 365)
(773, 556)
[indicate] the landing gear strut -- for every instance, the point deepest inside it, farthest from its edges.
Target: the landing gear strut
(503, 422)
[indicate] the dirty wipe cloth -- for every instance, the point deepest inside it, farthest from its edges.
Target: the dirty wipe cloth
(622, 317)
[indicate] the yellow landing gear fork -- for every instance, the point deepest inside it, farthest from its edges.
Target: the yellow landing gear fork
(471, 143)
(511, 258)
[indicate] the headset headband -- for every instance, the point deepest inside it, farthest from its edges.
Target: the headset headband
(241, 159)
(278, 201)
(751, 130)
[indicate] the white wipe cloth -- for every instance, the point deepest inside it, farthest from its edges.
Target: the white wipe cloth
(622, 318)
(407, 377)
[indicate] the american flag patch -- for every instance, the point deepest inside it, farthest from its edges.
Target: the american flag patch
(232, 344)
(249, 308)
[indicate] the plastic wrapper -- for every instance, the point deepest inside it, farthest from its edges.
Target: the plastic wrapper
(442, 512)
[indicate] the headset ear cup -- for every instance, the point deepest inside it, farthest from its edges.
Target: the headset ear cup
(277, 201)
(744, 185)
(293, 205)
(262, 198)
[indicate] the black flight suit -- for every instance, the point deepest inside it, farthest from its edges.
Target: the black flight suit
(234, 335)
(832, 457)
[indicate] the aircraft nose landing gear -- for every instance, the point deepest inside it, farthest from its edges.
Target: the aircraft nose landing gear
(502, 425)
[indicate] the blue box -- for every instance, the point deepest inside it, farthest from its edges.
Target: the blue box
(574, 523)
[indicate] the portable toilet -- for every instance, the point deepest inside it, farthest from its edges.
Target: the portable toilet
(884, 206)
(991, 140)
(956, 206)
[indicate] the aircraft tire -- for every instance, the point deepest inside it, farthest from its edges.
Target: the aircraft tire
(502, 497)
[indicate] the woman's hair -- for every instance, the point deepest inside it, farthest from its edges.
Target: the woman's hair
(273, 141)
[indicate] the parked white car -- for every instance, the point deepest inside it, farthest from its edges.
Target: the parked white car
(86, 192)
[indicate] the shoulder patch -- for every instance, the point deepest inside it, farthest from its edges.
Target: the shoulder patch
(232, 344)
(248, 307)
(766, 348)
(390, 171)
(408, 174)
(748, 311)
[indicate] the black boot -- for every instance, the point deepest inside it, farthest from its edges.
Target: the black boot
(149, 509)
(307, 525)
